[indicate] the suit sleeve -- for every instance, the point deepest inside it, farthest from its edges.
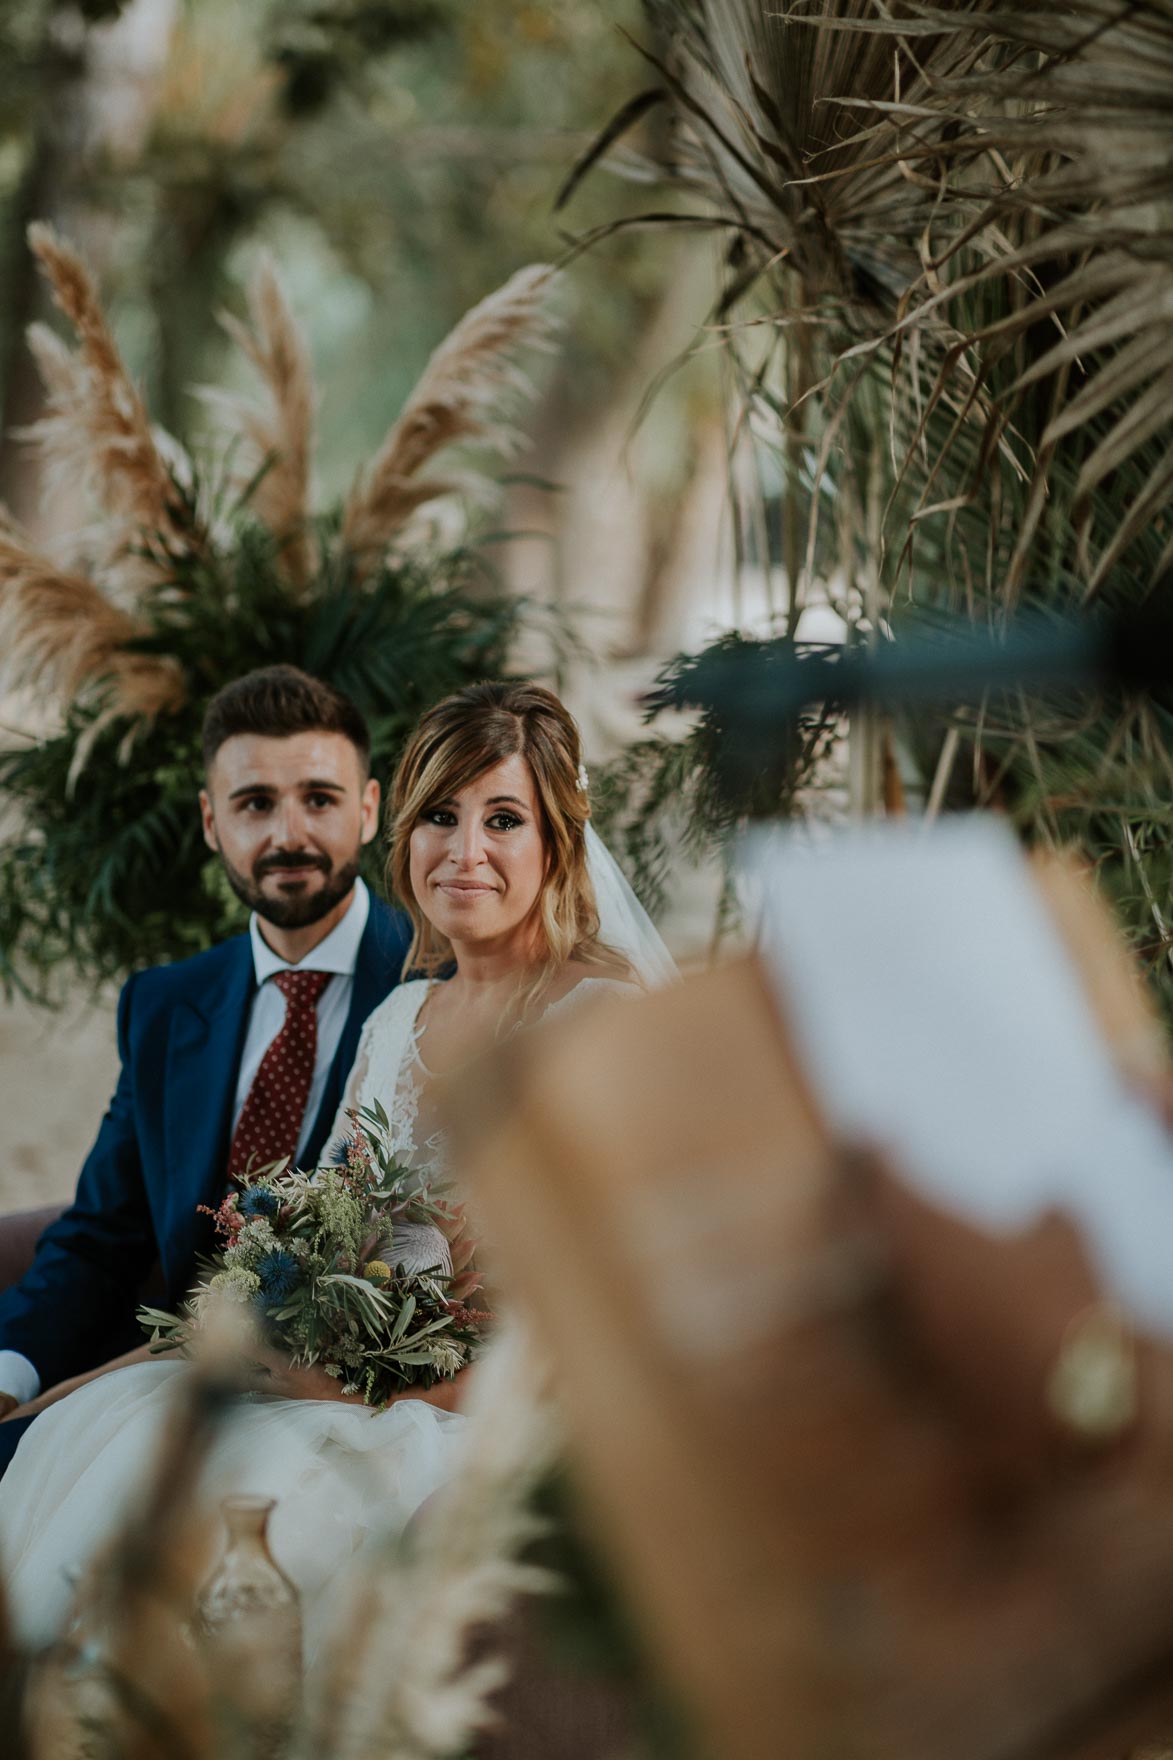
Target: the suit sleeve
(74, 1308)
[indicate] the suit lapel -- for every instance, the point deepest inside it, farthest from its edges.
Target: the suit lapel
(203, 1057)
(376, 973)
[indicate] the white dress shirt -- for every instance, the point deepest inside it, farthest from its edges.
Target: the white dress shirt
(338, 954)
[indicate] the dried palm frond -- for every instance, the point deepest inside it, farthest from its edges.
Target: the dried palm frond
(464, 394)
(794, 125)
(924, 204)
(1069, 251)
(1090, 225)
(97, 425)
(279, 428)
(770, 105)
(948, 317)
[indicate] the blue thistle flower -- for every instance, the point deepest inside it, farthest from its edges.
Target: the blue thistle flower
(258, 1201)
(280, 1275)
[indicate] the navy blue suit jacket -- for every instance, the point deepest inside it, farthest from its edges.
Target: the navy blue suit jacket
(162, 1150)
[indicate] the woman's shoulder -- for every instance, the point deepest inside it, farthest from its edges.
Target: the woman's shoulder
(402, 1003)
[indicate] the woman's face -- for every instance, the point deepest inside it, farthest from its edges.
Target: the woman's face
(478, 860)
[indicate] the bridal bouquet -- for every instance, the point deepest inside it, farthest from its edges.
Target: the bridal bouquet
(355, 1268)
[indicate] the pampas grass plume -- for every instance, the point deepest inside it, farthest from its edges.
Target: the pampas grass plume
(401, 1684)
(463, 395)
(278, 426)
(97, 423)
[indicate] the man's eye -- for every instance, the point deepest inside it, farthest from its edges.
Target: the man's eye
(504, 822)
(254, 804)
(321, 800)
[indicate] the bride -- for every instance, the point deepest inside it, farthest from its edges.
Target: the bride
(511, 892)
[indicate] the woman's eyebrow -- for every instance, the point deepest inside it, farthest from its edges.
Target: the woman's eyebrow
(497, 800)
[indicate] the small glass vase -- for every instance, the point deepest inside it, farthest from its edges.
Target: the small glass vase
(73, 1710)
(248, 1621)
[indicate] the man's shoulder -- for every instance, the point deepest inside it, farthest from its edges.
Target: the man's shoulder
(160, 985)
(385, 940)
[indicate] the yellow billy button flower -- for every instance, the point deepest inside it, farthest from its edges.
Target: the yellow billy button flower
(375, 1271)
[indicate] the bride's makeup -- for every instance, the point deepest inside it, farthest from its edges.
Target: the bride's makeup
(478, 859)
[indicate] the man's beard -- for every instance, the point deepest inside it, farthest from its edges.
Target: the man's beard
(297, 910)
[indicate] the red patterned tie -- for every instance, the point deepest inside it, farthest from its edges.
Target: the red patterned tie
(271, 1118)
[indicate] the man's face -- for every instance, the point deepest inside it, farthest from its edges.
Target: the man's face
(288, 818)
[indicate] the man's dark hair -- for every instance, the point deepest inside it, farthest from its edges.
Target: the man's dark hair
(277, 701)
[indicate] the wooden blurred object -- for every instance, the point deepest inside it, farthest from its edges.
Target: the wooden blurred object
(810, 1412)
(1112, 981)
(661, 1282)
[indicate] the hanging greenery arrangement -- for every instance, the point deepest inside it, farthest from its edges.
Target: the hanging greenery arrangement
(671, 795)
(194, 574)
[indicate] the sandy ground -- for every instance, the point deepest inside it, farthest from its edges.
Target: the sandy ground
(57, 1072)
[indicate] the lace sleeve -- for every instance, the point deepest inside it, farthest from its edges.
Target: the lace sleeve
(385, 1039)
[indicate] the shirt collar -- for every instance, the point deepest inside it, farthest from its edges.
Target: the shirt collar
(337, 953)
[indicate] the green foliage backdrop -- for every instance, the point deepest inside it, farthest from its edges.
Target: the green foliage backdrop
(107, 870)
(186, 577)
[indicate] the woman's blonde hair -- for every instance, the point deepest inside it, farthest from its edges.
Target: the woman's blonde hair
(457, 741)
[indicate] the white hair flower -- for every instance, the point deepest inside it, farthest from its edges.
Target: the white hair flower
(584, 780)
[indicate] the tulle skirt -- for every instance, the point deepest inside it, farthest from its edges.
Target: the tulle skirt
(342, 1476)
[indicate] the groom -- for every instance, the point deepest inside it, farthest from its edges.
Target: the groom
(237, 1055)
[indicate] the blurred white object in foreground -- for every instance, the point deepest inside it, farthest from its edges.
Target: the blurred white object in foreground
(940, 1019)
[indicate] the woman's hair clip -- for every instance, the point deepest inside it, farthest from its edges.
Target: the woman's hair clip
(584, 780)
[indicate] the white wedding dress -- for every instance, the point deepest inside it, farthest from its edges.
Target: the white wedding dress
(341, 1473)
